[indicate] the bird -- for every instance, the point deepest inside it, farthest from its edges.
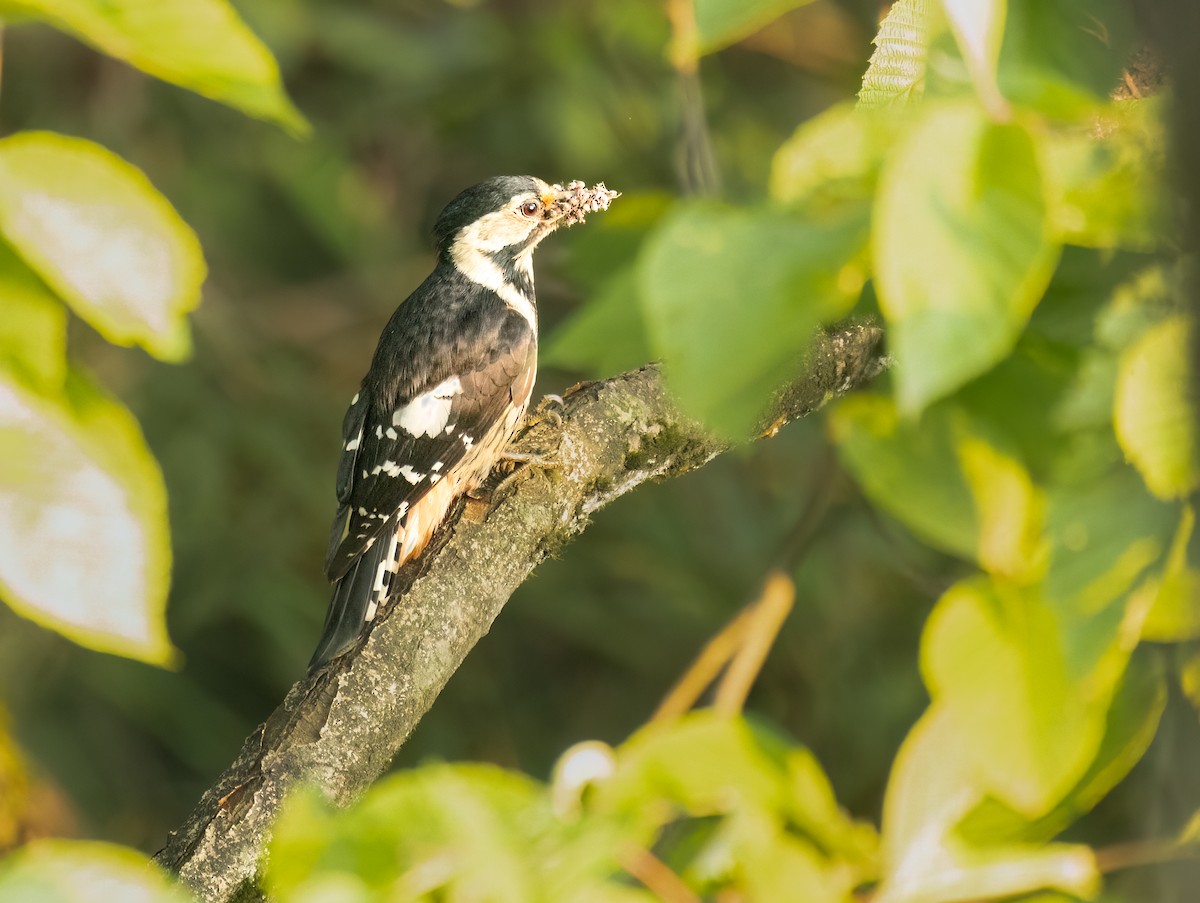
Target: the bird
(447, 387)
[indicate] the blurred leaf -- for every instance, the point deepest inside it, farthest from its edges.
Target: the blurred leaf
(978, 26)
(707, 763)
(1064, 58)
(1155, 410)
(607, 336)
(1189, 683)
(929, 792)
(1131, 724)
(833, 157)
(1175, 614)
(732, 297)
(896, 73)
(33, 330)
(961, 249)
(1106, 178)
(1098, 559)
(724, 22)
(201, 45)
(83, 525)
(439, 832)
(993, 657)
(100, 235)
(945, 477)
(74, 871)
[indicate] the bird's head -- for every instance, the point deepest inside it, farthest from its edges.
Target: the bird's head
(503, 219)
(505, 216)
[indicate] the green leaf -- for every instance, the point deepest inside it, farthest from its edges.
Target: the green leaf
(732, 297)
(978, 27)
(930, 789)
(1064, 58)
(961, 248)
(947, 477)
(1175, 614)
(1106, 180)
(99, 234)
(462, 830)
(1131, 724)
(606, 336)
(74, 871)
(1155, 409)
(33, 330)
(720, 23)
(896, 74)
(993, 657)
(201, 45)
(832, 158)
(84, 548)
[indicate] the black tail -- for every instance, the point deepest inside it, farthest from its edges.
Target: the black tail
(352, 597)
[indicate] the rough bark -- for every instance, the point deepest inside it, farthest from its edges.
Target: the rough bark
(341, 728)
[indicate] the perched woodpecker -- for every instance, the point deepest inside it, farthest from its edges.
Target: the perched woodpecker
(447, 388)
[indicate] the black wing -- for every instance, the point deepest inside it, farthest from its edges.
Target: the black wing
(415, 417)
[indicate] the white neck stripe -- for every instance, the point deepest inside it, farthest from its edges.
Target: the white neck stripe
(484, 271)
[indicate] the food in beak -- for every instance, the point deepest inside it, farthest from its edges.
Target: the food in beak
(576, 200)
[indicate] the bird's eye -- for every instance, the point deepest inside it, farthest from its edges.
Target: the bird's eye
(531, 208)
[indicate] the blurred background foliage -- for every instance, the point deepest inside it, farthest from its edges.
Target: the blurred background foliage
(310, 244)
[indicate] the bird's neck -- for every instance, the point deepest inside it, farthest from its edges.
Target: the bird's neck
(510, 277)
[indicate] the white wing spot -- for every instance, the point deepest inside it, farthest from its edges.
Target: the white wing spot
(438, 465)
(354, 400)
(409, 474)
(391, 433)
(467, 441)
(354, 443)
(426, 415)
(434, 477)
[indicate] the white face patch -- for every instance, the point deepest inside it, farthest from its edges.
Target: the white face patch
(474, 243)
(426, 415)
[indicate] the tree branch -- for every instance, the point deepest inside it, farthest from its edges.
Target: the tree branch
(341, 728)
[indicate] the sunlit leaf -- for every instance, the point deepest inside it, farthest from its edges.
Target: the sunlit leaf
(1102, 568)
(464, 831)
(1175, 614)
(83, 521)
(833, 157)
(978, 26)
(995, 661)
(945, 477)
(1106, 178)
(33, 328)
(1131, 724)
(896, 73)
(202, 45)
(724, 22)
(961, 248)
(99, 234)
(1155, 409)
(930, 789)
(732, 297)
(73, 871)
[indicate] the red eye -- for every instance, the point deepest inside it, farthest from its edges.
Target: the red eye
(531, 208)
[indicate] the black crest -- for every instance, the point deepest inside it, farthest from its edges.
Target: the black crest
(478, 200)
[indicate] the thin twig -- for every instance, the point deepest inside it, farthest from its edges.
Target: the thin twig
(657, 876)
(768, 614)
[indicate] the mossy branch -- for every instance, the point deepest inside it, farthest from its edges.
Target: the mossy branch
(341, 728)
